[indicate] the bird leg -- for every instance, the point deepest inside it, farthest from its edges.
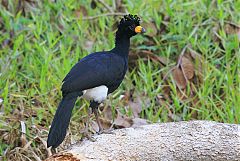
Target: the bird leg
(88, 117)
(95, 111)
(86, 131)
(94, 106)
(101, 130)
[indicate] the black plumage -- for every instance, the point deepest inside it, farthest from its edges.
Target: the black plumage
(106, 68)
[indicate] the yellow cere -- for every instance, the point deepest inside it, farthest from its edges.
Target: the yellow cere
(138, 29)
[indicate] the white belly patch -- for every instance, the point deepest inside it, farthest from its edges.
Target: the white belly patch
(98, 94)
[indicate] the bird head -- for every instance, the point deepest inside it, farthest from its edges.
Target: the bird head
(130, 25)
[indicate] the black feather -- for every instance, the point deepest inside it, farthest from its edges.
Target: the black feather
(61, 120)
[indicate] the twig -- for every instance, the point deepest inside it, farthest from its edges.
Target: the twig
(180, 63)
(229, 22)
(184, 74)
(103, 15)
(195, 53)
(232, 23)
(218, 36)
(45, 145)
(181, 55)
(166, 75)
(105, 5)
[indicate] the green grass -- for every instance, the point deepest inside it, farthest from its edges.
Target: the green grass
(49, 39)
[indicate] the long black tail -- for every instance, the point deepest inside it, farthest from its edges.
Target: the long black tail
(61, 120)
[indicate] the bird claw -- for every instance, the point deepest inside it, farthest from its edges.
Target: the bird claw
(109, 131)
(91, 138)
(88, 135)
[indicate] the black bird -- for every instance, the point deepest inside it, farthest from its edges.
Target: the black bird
(94, 77)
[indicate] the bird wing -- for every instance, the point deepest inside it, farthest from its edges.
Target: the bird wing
(92, 71)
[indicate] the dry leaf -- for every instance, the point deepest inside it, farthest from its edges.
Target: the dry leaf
(174, 117)
(107, 113)
(120, 7)
(187, 67)
(122, 121)
(106, 124)
(135, 107)
(198, 63)
(230, 29)
(195, 55)
(138, 122)
(127, 96)
(94, 126)
(166, 92)
(182, 94)
(81, 11)
(179, 78)
(154, 57)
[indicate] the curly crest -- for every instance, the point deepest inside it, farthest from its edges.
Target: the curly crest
(130, 18)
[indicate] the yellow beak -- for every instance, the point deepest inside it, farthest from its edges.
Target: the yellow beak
(140, 29)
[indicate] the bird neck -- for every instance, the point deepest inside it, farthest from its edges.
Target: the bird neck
(122, 43)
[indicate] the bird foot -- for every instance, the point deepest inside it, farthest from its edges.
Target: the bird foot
(108, 131)
(88, 135)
